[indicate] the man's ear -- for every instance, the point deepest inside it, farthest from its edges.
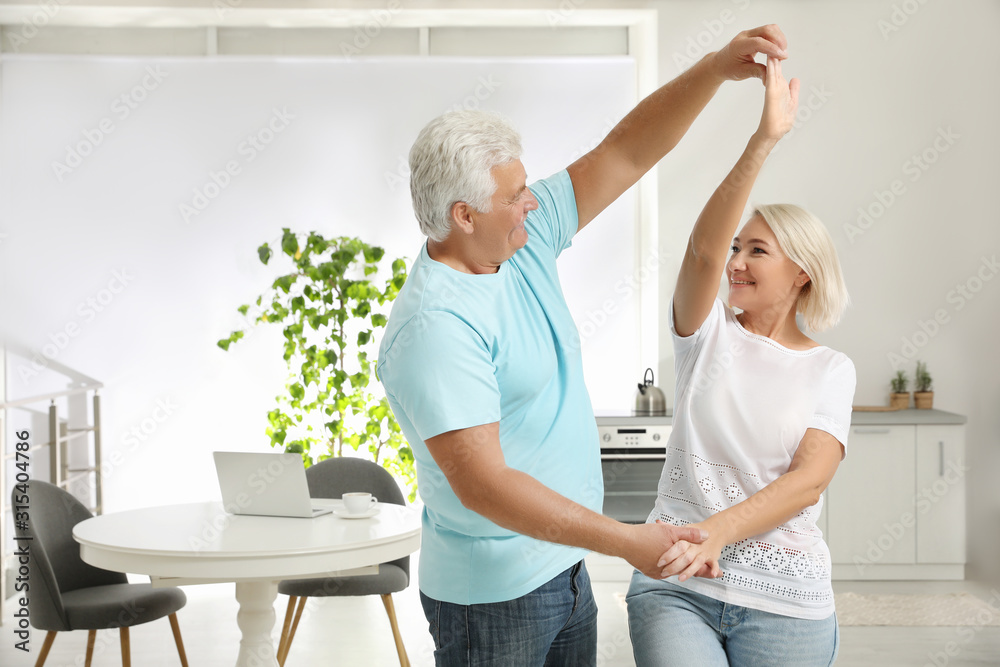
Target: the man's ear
(462, 217)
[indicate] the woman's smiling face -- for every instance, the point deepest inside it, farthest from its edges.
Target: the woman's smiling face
(761, 277)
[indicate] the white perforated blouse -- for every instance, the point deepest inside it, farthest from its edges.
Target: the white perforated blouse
(743, 403)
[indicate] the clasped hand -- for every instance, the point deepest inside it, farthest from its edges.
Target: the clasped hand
(688, 559)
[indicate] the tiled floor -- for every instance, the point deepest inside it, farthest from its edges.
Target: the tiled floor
(355, 632)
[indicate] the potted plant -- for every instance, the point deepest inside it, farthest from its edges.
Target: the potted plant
(923, 396)
(329, 306)
(899, 399)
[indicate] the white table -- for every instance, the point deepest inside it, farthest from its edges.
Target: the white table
(201, 543)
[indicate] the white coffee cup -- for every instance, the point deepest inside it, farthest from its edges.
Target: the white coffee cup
(359, 503)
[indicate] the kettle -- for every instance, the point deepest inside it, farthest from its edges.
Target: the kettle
(649, 400)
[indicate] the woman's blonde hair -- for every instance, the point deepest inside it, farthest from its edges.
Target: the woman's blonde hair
(806, 241)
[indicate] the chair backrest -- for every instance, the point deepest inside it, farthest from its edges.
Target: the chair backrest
(54, 556)
(333, 477)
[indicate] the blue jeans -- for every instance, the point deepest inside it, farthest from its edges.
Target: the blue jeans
(671, 625)
(553, 625)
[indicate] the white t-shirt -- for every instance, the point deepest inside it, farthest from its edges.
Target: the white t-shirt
(743, 404)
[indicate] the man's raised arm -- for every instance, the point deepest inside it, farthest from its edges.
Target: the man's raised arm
(658, 122)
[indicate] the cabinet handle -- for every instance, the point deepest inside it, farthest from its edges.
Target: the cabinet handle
(941, 458)
(870, 430)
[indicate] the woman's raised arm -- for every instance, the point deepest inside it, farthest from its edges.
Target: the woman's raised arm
(711, 238)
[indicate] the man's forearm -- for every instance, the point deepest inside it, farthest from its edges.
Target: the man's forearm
(660, 120)
(518, 502)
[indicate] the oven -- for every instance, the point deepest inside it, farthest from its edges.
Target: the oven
(632, 453)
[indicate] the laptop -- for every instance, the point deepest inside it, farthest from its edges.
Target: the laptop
(265, 484)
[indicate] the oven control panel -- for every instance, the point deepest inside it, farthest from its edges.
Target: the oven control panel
(633, 436)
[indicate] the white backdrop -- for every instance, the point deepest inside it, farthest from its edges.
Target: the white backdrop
(134, 193)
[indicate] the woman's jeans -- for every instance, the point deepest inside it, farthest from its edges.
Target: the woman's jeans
(554, 625)
(671, 625)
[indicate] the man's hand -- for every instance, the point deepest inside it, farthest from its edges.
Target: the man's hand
(692, 560)
(736, 59)
(649, 541)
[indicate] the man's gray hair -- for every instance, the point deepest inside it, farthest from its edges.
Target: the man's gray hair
(451, 161)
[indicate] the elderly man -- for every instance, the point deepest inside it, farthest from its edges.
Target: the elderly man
(481, 365)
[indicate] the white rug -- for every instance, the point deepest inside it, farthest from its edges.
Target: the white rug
(951, 609)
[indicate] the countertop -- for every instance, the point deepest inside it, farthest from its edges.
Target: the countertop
(911, 417)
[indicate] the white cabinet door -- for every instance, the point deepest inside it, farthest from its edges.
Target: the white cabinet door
(940, 502)
(870, 512)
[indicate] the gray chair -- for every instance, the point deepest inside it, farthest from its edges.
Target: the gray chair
(67, 593)
(331, 479)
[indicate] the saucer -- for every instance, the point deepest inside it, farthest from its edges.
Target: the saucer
(343, 514)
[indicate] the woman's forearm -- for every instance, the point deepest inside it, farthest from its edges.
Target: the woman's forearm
(708, 248)
(713, 232)
(765, 510)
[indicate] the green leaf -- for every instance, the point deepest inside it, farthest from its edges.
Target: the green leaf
(284, 283)
(364, 337)
(264, 253)
(289, 243)
(373, 254)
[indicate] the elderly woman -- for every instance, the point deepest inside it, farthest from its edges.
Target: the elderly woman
(761, 422)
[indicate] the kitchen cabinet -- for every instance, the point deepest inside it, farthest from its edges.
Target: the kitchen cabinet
(896, 507)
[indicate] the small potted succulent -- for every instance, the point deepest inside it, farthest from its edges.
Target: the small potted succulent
(899, 399)
(923, 396)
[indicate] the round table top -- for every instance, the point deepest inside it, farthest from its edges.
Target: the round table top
(203, 541)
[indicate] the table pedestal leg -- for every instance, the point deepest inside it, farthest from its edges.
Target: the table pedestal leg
(256, 620)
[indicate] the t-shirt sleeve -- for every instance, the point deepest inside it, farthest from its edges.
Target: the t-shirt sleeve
(440, 372)
(713, 320)
(555, 221)
(833, 410)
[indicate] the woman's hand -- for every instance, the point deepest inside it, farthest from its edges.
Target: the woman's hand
(692, 560)
(781, 101)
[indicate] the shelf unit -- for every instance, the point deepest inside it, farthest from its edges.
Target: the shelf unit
(64, 435)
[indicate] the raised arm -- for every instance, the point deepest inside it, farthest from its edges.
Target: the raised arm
(473, 463)
(710, 241)
(658, 122)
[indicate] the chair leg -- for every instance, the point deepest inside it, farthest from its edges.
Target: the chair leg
(126, 647)
(291, 633)
(46, 646)
(390, 609)
(285, 626)
(91, 636)
(176, 628)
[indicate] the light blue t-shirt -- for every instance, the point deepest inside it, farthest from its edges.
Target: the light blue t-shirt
(461, 350)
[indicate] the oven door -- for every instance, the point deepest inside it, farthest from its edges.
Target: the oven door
(631, 477)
